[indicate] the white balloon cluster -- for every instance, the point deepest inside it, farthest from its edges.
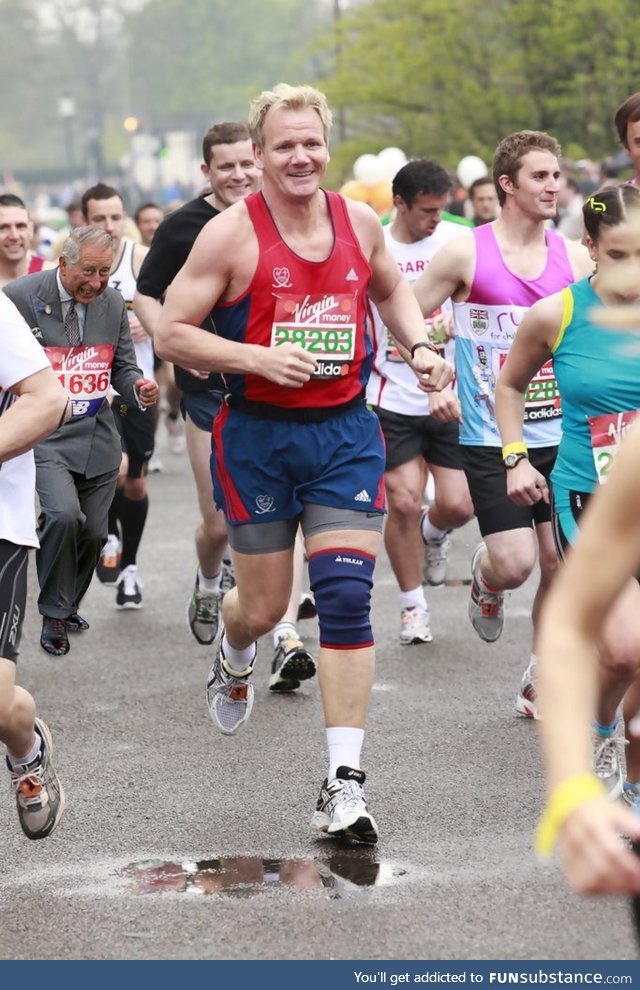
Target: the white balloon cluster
(372, 169)
(469, 169)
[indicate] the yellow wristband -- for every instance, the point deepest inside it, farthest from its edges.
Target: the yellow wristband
(564, 799)
(519, 447)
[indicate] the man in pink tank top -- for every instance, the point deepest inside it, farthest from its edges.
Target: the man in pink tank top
(493, 274)
(288, 274)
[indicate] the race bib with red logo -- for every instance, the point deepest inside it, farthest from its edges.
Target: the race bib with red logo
(607, 432)
(324, 325)
(85, 374)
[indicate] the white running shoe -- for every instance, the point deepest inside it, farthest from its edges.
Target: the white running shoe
(606, 763)
(108, 566)
(228, 578)
(486, 608)
(436, 556)
(526, 700)
(630, 797)
(415, 626)
(129, 595)
(203, 614)
(291, 664)
(38, 791)
(342, 809)
(229, 696)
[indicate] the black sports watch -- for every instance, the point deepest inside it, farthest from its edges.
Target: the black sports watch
(511, 460)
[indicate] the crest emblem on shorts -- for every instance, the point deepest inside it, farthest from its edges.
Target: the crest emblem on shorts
(281, 278)
(264, 503)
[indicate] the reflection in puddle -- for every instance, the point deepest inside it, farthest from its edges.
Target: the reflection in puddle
(343, 874)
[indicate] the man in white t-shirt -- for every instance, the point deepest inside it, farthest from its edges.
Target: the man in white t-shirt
(32, 405)
(421, 431)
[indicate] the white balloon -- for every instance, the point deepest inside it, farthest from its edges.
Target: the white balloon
(469, 169)
(392, 160)
(368, 170)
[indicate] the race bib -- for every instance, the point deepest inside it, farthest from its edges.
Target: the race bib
(85, 374)
(435, 324)
(324, 325)
(607, 432)
(542, 398)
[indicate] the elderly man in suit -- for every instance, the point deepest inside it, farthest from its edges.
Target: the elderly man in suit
(83, 326)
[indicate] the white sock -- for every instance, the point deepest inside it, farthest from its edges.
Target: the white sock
(344, 746)
(209, 583)
(413, 599)
(431, 532)
(238, 660)
(532, 662)
(34, 752)
(284, 629)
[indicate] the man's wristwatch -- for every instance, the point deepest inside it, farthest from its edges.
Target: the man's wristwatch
(511, 460)
(424, 343)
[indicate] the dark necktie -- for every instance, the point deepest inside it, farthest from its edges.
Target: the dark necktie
(72, 326)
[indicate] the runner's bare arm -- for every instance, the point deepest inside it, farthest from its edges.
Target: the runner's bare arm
(448, 275)
(605, 556)
(580, 260)
(396, 303)
(42, 407)
(140, 251)
(148, 310)
(220, 265)
(530, 349)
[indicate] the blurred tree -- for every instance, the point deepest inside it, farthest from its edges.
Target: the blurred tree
(200, 62)
(446, 78)
(443, 78)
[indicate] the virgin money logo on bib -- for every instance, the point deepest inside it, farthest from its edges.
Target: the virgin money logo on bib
(325, 325)
(85, 374)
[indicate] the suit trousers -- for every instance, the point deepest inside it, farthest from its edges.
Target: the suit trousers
(72, 529)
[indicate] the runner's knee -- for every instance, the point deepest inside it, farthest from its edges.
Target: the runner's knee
(341, 581)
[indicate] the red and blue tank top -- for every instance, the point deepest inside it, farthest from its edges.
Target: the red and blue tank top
(321, 305)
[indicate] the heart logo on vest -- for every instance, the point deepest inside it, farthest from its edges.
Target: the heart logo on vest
(281, 278)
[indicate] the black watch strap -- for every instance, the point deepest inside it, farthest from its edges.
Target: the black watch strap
(424, 343)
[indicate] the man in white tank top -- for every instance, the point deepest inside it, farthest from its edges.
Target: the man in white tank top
(527, 261)
(103, 207)
(417, 441)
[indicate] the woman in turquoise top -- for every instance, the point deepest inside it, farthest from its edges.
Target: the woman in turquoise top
(598, 375)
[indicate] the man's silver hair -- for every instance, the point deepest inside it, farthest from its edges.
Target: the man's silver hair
(79, 236)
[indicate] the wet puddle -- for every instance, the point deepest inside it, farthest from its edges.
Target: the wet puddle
(341, 874)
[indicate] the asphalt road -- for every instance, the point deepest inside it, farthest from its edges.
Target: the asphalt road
(179, 843)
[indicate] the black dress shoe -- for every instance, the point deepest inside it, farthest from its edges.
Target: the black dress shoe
(75, 623)
(53, 638)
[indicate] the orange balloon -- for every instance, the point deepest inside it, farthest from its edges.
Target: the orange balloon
(380, 197)
(356, 190)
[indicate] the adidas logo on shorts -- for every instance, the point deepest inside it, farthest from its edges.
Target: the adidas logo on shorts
(363, 496)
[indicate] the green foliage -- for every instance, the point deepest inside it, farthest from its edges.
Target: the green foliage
(203, 61)
(443, 78)
(446, 78)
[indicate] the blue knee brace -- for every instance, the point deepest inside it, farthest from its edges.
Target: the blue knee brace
(341, 581)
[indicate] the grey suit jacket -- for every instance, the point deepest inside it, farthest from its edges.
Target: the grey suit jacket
(88, 445)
